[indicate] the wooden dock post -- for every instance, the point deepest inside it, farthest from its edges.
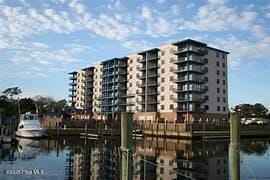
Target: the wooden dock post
(126, 146)
(234, 146)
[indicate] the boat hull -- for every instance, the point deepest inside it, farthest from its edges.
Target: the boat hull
(29, 133)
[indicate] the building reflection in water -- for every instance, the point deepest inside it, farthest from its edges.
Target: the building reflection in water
(154, 158)
(179, 159)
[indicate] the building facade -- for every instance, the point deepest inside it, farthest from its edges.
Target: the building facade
(184, 81)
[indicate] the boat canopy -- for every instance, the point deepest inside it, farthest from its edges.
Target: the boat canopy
(29, 117)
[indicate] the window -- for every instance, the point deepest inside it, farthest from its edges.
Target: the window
(130, 84)
(162, 98)
(224, 99)
(162, 88)
(223, 73)
(217, 81)
(162, 79)
(161, 170)
(223, 65)
(223, 56)
(206, 98)
(217, 72)
(162, 70)
(218, 90)
(224, 91)
(131, 61)
(171, 106)
(130, 68)
(218, 99)
(162, 61)
(130, 77)
(223, 82)
(206, 79)
(218, 63)
(206, 107)
(162, 53)
(171, 78)
(217, 54)
(218, 108)
(162, 107)
(224, 108)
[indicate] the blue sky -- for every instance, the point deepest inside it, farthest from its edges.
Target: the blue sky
(41, 41)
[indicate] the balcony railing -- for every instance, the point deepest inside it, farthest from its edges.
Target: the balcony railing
(149, 67)
(149, 58)
(73, 78)
(148, 85)
(72, 89)
(149, 102)
(189, 110)
(197, 60)
(192, 99)
(191, 89)
(184, 80)
(73, 83)
(198, 50)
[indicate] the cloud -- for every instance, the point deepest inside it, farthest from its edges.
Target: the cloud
(136, 45)
(217, 16)
(161, 1)
(242, 51)
(146, 13)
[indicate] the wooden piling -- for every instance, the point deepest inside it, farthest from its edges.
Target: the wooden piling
(126, 145)
(234, 146)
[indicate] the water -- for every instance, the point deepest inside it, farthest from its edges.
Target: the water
(75, 158)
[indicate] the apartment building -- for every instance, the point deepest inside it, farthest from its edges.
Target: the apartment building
(184, 81)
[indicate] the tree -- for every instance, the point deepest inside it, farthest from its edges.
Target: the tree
(13, 91)
(248, 110)
(27, 105)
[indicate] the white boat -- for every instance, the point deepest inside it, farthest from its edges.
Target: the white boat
(29, 126)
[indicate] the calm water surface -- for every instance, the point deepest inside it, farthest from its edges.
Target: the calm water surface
(75, 158)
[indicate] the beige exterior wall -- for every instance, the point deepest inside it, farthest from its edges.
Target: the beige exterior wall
(133, 82)
(166, 77)
(80, 92)
(97, 90)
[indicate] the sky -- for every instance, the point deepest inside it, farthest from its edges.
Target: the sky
(42, 40)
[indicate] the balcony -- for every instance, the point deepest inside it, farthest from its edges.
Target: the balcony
(184, 80)
(149, 58)
(73, 78)
(201, 110)
(72, 95)
(148, 93)
(73, 83)
(191, 89)
(72, 89)
(192, 59)
(122, 80)
(192, 69)
(149, 102)
(150, 75)
(198, 50)
(192, 99)
(149, 67)
(153, 84)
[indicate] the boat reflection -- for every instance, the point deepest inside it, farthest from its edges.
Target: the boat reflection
(28, 148)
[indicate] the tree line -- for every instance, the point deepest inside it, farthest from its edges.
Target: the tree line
(252, 110)
(11, 105)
